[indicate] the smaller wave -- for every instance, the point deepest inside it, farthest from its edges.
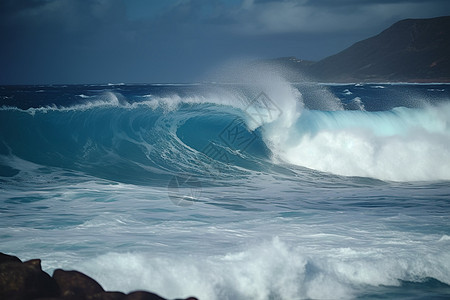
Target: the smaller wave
(83, 96)
(347, 92)
(111, 99)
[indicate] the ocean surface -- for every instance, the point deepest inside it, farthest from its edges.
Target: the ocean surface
(271, 190)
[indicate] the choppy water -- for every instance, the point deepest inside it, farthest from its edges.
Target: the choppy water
(264, 191)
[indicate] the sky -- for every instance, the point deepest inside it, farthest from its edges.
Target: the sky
(170, 41)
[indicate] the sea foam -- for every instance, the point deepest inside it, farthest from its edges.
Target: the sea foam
(400, 145)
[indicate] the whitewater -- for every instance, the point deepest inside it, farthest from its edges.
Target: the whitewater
(260, 190)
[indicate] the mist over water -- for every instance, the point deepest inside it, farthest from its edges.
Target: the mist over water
(258, 190)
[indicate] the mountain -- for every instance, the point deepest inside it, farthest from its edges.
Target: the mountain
(411, 50)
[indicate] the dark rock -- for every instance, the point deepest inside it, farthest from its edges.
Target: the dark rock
(142, 295)
(25, 280)
(8, 258)
(76, 285)
(34, 263)
(98, 296)
(108, 296)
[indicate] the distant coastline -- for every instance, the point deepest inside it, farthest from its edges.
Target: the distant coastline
(410, 51)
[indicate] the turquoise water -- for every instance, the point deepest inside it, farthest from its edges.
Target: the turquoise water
(273, 191)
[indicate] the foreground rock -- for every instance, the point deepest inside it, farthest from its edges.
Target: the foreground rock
(26, 280)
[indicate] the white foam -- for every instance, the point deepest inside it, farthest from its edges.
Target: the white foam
(358, 102)
(347, 92)
(84, 96)
(401, 145)
(444, 238)
(272, 269)
(269, 270)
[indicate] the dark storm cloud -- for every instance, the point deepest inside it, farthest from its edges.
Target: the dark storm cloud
(56, 18)
(260, 17)
(175, 40)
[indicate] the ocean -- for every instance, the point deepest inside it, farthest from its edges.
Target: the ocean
(271, 190)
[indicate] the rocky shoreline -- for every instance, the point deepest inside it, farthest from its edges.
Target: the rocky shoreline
(26, 280)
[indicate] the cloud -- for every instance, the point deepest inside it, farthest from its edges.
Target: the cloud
(239, 17)
(60, 15)
(325, 16)
(124, 40)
